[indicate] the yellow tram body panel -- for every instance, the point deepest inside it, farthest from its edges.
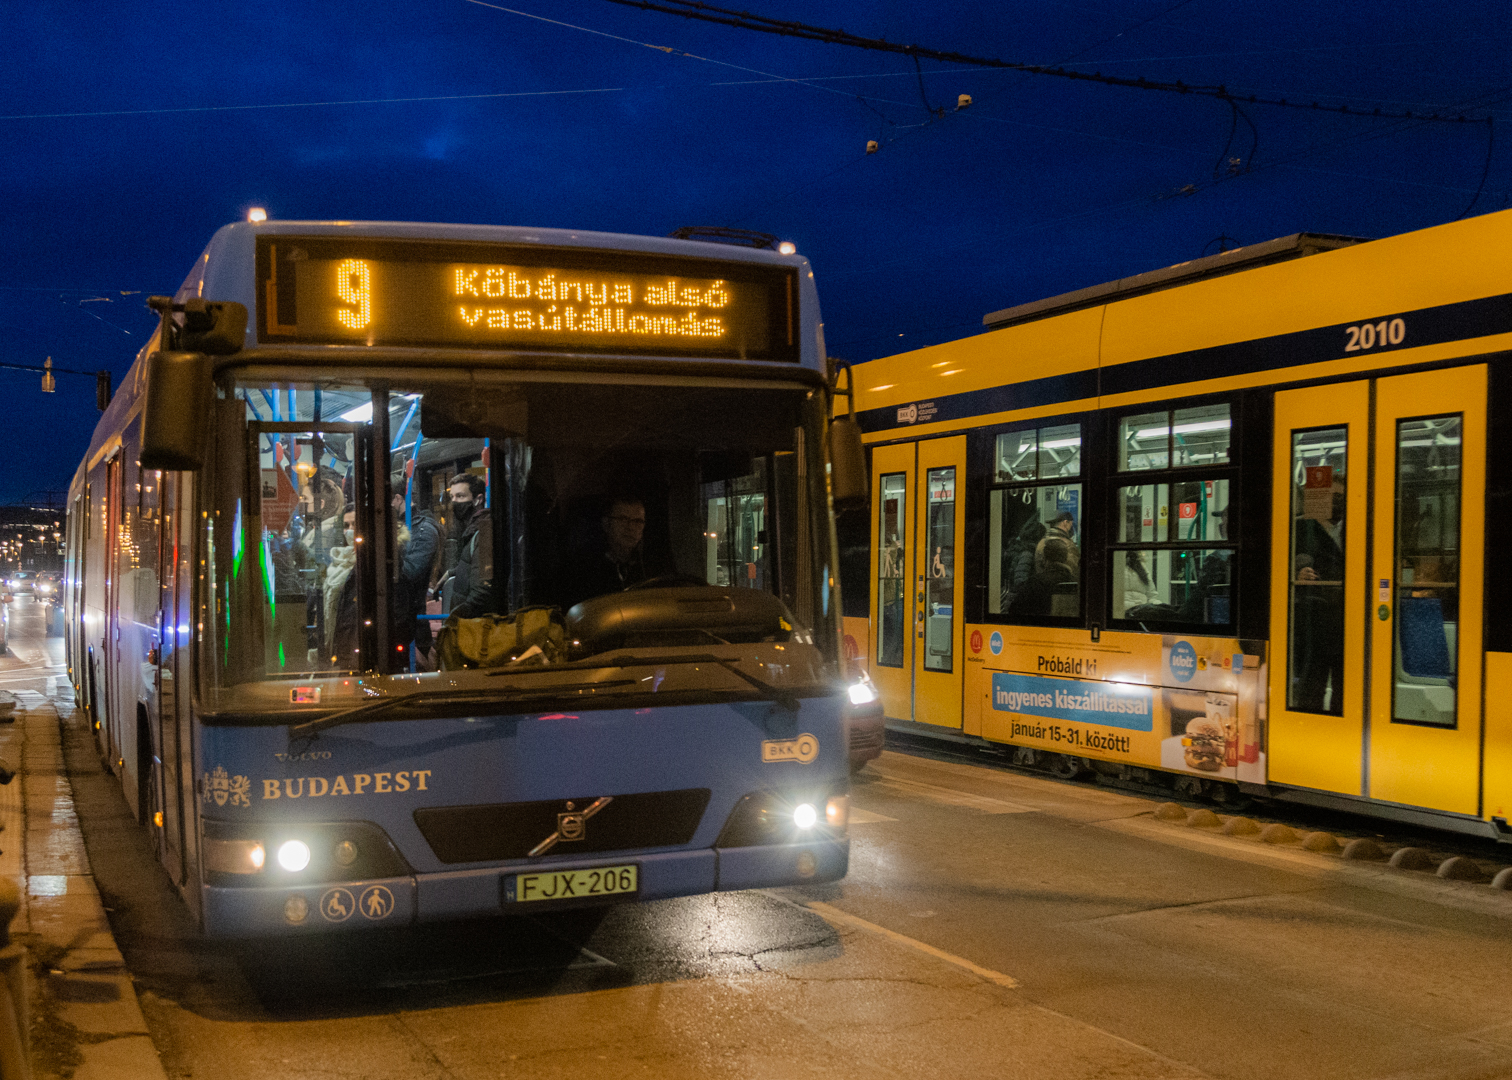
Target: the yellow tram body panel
(1361, 379)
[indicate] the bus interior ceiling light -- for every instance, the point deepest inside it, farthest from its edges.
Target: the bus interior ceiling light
(294, 855)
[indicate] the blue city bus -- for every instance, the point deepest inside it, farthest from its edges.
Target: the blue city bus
(349, 615)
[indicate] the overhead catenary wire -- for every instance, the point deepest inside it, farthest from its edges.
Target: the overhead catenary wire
(744, 20)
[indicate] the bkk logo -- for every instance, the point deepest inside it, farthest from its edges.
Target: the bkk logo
(803, 749)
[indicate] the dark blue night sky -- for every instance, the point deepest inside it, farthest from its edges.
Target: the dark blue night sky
(132, 130)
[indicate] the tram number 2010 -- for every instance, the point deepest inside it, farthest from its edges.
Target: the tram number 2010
(1375, 335)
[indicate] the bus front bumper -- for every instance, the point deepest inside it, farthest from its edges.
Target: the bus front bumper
(459, 894)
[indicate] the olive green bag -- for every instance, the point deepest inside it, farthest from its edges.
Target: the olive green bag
(497, 640)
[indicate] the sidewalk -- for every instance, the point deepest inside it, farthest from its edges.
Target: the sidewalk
(86, 1022)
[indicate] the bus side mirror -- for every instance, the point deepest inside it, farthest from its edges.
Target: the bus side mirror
(849, 484)
(176, 414)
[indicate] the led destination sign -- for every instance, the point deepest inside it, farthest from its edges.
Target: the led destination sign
(374, 292)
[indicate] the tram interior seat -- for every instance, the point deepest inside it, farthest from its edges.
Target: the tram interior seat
(1425, 676)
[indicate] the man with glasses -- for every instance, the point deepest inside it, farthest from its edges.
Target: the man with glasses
(621, 562)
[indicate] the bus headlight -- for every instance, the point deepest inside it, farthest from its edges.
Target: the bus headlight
(862, 693)
(804, 815)
(294, 855)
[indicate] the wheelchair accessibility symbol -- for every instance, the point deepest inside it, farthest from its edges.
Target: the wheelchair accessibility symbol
(337, 905)
(377, 902)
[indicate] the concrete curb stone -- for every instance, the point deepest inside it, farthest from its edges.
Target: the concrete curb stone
(87, 1022)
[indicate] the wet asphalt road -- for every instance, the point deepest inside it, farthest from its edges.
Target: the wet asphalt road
(993, 924)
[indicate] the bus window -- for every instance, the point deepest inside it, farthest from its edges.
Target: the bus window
(1034, 558)
(343, 536)
(1427, 570)
(892, 569)
(1315, 630)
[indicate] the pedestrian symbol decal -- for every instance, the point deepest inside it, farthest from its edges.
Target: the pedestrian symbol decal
(377, 902)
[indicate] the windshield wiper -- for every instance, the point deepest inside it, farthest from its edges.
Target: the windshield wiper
(493, 694)
(785, 697)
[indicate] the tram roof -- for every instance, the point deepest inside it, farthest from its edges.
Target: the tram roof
(1296, 246)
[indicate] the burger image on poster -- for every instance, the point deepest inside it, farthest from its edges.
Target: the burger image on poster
(1204, 736)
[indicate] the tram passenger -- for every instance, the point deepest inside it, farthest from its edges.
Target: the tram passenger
(1318, 610)
(467, 590)
(1061, 527)
(1037, 597)
(618, 561)
(1138, 587)
(1021, 557)
(415, 554)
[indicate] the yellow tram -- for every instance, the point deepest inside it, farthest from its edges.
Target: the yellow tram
(1243, 521)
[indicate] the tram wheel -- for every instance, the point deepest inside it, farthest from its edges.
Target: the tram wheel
(1189, 787)
(1063, 766)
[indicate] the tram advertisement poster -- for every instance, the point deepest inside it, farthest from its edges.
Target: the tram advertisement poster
(1182, 703)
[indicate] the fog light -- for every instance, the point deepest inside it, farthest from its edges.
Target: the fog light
(807, 864)
(294, 855)
(837, 811)
(804, 816)
(346, 853)
(296, 909)
(232, 856)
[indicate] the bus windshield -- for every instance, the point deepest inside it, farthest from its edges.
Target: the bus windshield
(344, 521)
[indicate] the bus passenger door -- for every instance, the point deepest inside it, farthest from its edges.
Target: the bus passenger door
(1318, 552)
(1426, 583)
(110, 737)
(916, 595)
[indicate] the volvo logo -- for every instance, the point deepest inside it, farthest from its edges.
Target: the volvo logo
(571, 825)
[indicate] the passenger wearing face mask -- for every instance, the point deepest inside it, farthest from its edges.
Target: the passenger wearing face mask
(467, 590)
(334, 634)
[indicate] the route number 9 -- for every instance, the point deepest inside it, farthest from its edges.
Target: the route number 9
(354, 285)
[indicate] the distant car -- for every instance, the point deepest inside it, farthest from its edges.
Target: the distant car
(21, 581)
(47, 587)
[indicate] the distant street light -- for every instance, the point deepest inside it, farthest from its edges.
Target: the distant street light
(49, 384)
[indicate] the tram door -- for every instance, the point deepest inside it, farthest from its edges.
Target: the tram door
(1377, 556)
(917, 536)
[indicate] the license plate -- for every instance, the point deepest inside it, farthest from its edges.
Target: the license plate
(573, 884)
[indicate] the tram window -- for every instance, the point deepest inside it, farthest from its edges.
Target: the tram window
(1426, 559)
(1034, 529)
(1315, 627)
(892, 570)
(1195, 436)
(939, 576)
(1175, 538)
